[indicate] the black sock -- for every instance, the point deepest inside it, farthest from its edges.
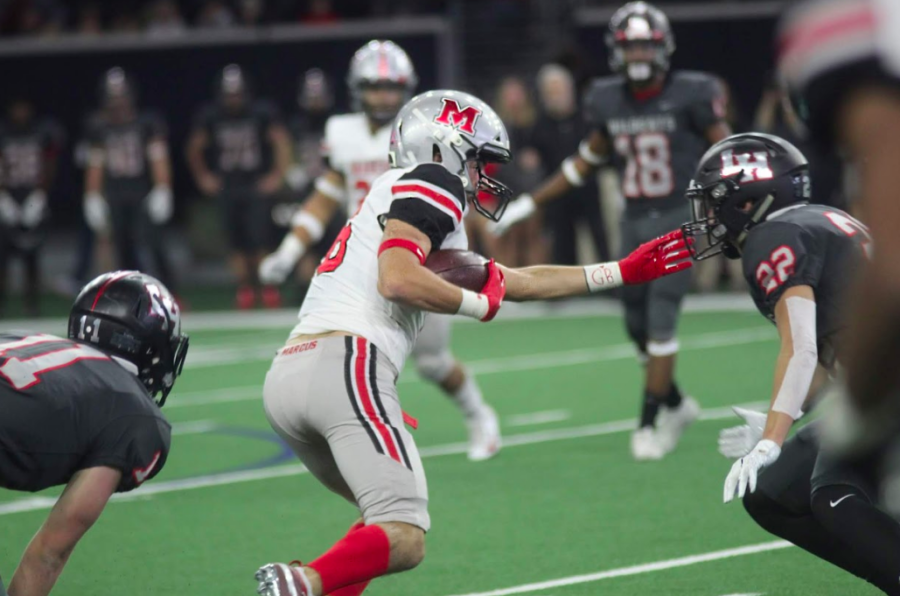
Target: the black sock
(803, 529)
(649, 410)
(863, 529)
(673, 400)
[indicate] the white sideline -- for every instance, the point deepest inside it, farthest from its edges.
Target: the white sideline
(226, 478)
(488, 366)
(639, 569)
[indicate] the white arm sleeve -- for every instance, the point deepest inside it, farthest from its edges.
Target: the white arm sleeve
(802, 366)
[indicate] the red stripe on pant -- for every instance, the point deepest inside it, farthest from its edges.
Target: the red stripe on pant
(366, 400)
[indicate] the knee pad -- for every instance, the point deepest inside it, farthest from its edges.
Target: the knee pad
(434, 366)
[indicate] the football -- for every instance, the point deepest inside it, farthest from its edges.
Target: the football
(462, 268)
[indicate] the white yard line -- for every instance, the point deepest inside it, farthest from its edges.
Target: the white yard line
(717, 555)
(624, 351)
(195, 427)
(545, 417)
(228, 478)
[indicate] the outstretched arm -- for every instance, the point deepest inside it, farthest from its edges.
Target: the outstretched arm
(76, 511)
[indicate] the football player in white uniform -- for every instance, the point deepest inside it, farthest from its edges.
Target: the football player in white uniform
(381, 79)
(331, 392)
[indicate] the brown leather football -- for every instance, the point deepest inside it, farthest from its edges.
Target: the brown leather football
(460, 267)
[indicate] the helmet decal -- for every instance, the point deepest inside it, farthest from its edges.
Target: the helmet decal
(462, 119)
(755, 166)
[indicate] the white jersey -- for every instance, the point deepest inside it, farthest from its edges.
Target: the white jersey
(357, 154)
(343, 296)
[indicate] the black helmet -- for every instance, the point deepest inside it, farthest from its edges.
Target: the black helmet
(740, 181)
(639, 23)
(117, 86)
(133, 316)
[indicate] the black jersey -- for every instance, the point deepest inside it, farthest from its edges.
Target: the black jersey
(657, 141)
(124, 150)
(239, 147)
(24, 152)
(811, 245)
(829, 50)
(65, 407)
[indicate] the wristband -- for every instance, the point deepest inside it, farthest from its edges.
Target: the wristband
(291, 248)
(473, 305)
(329, 188)
(309, 222)
(571, 173)
(584, 150)
(603, 276)
(403, 243)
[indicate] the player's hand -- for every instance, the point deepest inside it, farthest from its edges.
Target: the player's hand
(209, 183)
(34, 208)
(10, 214)
(660, 257)
(737, 441)
(276, 267)
(744, 472)
(297, 178)
(519, 210)
(269, 183)
(494, 290)
(159, 204)
(96, 212)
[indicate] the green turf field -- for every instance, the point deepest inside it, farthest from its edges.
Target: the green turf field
(563, 503)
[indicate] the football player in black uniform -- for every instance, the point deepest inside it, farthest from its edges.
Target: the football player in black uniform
(750, 196)
(128, 181)
(84, 412)
(653, 125)
(239, 151)
(842, 60)
(29, 147)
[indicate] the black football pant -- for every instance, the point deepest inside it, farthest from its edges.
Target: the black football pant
(132, 229)
(31, 264)
(827, 509)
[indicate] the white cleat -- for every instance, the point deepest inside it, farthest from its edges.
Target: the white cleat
(484, 435)
(672, 422)
(278, 579)
(645, 445)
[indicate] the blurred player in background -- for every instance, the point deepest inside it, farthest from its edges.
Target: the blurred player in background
(751, 198)
(843, 61)
(128, 181)
(331, 392)
(84, 412)
(381, 79)
(654, 125)
(239, 152)
(29, 149)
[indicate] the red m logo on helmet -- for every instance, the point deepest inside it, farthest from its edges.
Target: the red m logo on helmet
(461, 119)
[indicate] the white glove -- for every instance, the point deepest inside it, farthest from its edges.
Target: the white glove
(34, 208)
(520, 209)
(745, 470)
(96, 211)
(10, 213)
(276, 267)
(737, 441)
(159, 204)
(297, 177)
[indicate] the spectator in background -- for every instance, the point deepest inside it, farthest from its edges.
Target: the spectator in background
(248, 148)
(29, 147)
(251, 12)
(519, 248)
(215, 14)
(89, 21)
(164, 19)
(557, 133)
(128, 181)
(320, 12)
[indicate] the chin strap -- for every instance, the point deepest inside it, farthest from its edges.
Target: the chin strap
(755, 218)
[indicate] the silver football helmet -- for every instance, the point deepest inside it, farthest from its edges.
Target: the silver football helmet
(460, 132)
(380, 63)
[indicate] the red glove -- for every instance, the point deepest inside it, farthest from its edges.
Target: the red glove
(494, 290)
(660, 257)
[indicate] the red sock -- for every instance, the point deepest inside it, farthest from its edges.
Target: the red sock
(354, 589)
(362, 555)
